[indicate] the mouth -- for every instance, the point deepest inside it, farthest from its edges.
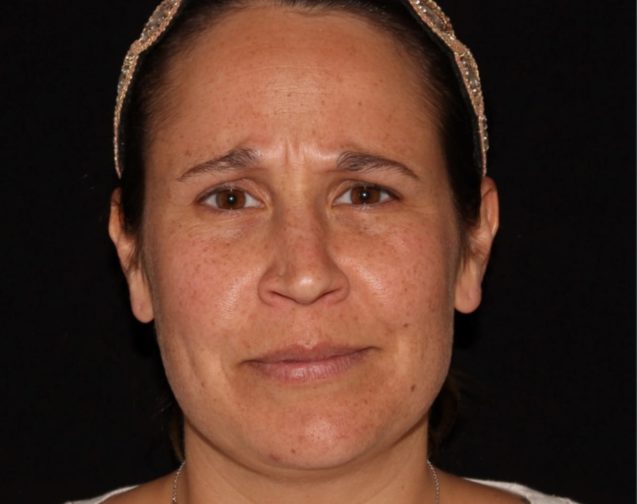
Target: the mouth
(297, 364)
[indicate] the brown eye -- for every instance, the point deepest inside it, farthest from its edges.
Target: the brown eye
(364, 195)
(230, 199)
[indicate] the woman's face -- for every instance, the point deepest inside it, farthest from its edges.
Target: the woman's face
(301, 254)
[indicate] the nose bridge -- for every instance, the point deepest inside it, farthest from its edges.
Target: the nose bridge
(303, 269)
(302, 232)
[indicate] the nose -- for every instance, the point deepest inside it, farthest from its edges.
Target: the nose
(302, 269)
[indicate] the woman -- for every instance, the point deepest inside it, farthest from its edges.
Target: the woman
(303, 207)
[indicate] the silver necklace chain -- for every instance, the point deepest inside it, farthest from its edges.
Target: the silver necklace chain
(432, 471)
(434, 477)
(173, 500)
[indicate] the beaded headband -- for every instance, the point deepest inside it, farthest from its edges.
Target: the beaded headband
(427, 11)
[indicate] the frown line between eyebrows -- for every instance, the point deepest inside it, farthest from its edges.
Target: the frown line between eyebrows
(363, 162)
(235, 159)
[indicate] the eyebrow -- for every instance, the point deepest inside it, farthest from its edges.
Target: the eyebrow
(236, 159)
(363, 162)
(242, 158)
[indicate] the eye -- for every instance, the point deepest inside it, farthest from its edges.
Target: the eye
(230, 199)
(365, 195)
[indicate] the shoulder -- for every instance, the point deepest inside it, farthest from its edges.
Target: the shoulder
(151, 493)
(531, 496)
(103, 498)
(461, 490)
(458, 490)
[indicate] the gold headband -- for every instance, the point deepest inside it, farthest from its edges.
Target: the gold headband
(427, 10)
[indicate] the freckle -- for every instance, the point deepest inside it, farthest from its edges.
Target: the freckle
(413, 388)
(405, 325)
(293, 451)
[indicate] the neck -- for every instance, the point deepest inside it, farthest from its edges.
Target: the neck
(397, 474)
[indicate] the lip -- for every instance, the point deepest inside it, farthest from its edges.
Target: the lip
(298, 364)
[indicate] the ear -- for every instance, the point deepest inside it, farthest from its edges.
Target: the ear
(479, 240)
(126, 246)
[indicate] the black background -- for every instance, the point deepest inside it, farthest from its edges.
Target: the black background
(550, 355)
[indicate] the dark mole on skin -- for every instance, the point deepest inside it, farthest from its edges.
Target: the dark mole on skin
(405, 325)
(413, 388)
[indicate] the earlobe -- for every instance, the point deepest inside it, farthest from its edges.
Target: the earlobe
(125, 245)
(468, 292)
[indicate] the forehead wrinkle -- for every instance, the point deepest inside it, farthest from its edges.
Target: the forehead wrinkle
(305, 83)
(245, 46)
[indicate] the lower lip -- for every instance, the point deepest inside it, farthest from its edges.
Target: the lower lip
(300, 371)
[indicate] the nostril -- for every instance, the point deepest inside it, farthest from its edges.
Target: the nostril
(328, 283)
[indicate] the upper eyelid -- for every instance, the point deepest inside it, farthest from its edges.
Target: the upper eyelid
(234, 185)
(353, 184)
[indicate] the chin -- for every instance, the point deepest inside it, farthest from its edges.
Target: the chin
(324, 441)
(319, 443)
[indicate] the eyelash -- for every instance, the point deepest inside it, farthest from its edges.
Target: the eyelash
(242, 196)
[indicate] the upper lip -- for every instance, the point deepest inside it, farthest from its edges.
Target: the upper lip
(299, 353)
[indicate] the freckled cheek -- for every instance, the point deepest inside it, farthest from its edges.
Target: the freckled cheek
(408, 278)
(407, 271)
(202, 287)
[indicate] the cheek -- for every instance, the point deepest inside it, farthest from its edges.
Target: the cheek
(408, 268)
(199, 281)
(203, 297)
(404, 284)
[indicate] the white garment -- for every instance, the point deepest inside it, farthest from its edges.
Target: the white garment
(531, 495)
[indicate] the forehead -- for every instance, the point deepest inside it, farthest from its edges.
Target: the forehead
(268, 70)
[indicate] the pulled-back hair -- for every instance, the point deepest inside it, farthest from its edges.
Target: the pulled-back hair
(441, 85)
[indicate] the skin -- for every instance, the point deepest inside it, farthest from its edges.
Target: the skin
(302, 263)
